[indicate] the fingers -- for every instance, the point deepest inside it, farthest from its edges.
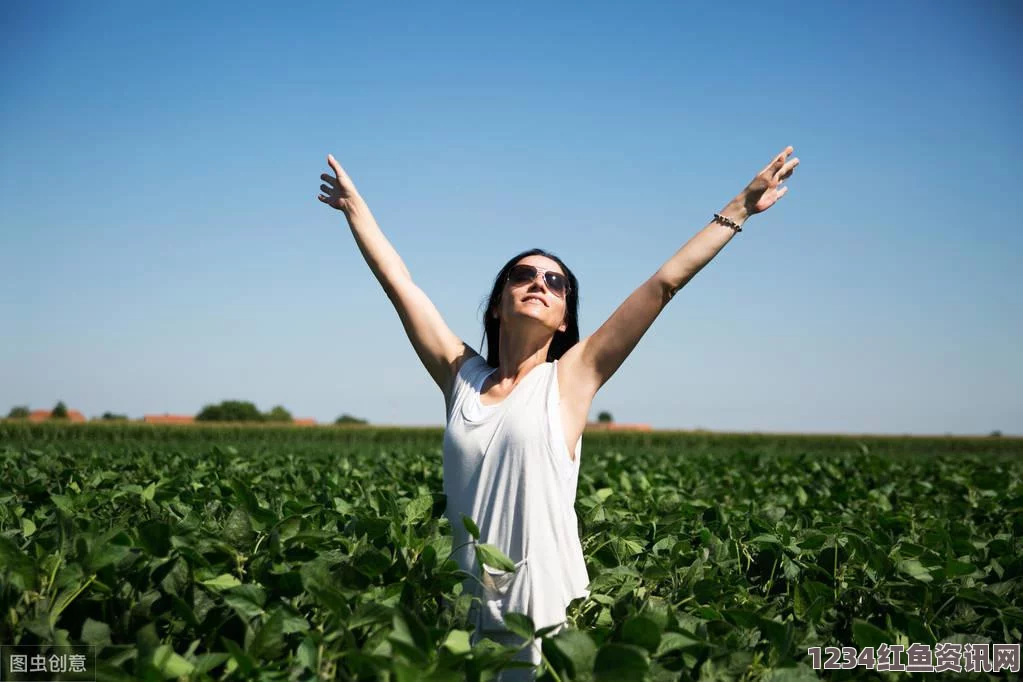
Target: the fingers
(777, 162)
(338, 170)
(785, 171)
(326, 189)
(332, 162)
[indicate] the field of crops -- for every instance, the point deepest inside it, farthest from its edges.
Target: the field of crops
(282, 553)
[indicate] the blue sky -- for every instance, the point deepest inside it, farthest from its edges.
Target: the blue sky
(162, 248)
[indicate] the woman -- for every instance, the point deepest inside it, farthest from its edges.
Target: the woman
(515, 419)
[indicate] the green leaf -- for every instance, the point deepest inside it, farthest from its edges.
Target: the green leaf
(238, 528)
(172, 576)
(171, 664)
(307, 654)
(955, 568)
(104, 554)
(22, 568)
(800, 672)
(155, 538)
(576, 647)
(247, 600)
(865, 634)
(914, 568)
(766, 539)
(742, 618)
(269, 640)
(372, 562)
(260, 518)
(291, 619)
(207, 662)
(27, 526)
(520, 624)
(621, 663)
(642, 632)
(778, 634)
(672, 641)
(404, 638)
(471, 527)
(457, 642)
(491, 556)
(239, 657)
(418, 509)
(289, 528)
(95, 632)
(222, 582)
(64, 600)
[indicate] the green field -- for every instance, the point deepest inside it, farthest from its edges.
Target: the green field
(283, 553)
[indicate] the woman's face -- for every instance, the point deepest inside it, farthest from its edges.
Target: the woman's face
(534, 299)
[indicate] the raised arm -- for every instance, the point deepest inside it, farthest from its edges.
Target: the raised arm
(592, 361)
(440, 351)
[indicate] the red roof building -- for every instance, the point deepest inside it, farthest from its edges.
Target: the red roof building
(613, 426)
(168, 419)
(43, 415)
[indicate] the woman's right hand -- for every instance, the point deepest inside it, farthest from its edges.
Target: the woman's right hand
(338, 191)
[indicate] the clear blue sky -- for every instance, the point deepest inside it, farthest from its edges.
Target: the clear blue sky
(162, 248)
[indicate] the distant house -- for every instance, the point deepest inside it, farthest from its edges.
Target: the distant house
(305, 421)
(168, 419)
(43, 415)
(612, 426)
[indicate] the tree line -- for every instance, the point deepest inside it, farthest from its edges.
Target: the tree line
(225, 411)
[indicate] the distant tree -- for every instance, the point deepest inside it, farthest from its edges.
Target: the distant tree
(19, 412)
(349, 419)
(605, 417)
(110, 416)
(996, 434)
(278, 414)
(60, 411)
(231, 411)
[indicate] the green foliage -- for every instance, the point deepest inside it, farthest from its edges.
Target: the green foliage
(349, 419)
(231, 411)
(605, 418)
(278, 414)
(110, 416)
(59, 411)
(18, 412)
(276, 552)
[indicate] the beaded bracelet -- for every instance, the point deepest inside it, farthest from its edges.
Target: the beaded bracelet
(727, 221)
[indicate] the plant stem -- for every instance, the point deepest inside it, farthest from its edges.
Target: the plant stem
(770, 581)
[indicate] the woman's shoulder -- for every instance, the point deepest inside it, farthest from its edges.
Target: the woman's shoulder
(470, 361)
(463, 372)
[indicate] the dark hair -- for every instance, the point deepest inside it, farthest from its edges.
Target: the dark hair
(562, 340)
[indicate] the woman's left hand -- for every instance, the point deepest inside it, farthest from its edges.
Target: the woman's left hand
(765, 189)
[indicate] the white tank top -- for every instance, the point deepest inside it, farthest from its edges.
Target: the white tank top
(507, 468)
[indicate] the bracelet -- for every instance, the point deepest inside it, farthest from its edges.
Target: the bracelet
(727, 222)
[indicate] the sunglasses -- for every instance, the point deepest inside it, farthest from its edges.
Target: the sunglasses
(525, 274)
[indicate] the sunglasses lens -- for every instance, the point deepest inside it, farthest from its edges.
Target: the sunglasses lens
(555, 282)
(523, 274)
